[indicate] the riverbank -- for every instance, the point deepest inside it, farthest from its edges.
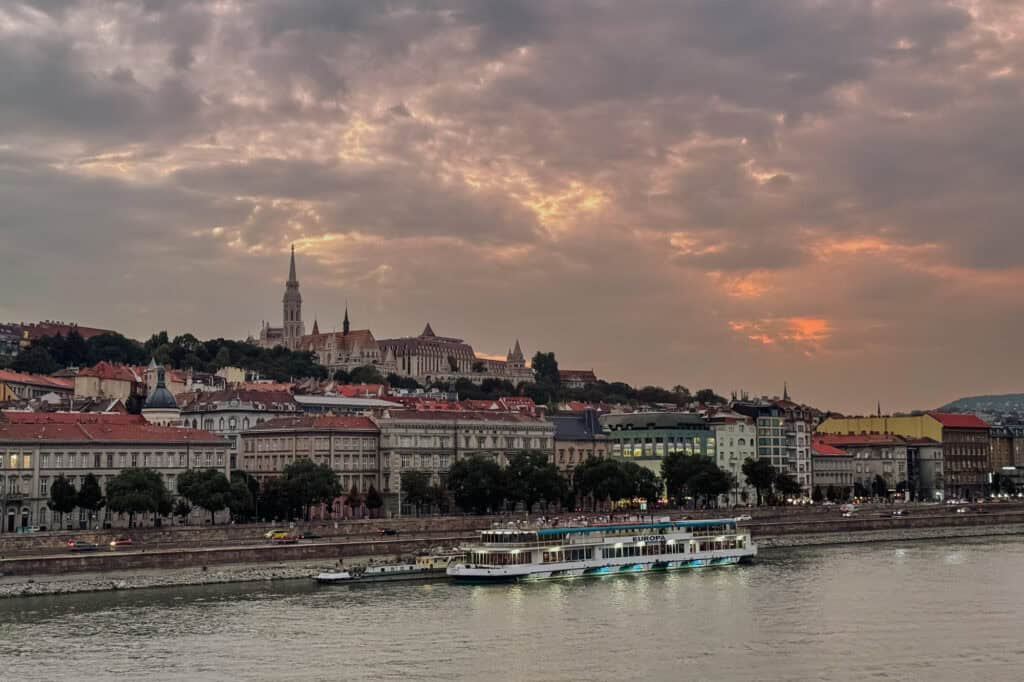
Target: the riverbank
(21, 586)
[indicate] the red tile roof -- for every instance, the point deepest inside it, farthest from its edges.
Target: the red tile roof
(36, 380)
(109, 371)
(958, 421)
(451, 415)
(821, 448)
(321, 423)
(71, 418)
(37, 331)
(93, 428)
(859, 439)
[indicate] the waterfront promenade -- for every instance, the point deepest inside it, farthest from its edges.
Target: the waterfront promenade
(42, 563)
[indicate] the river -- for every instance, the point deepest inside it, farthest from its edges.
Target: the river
(934, 610)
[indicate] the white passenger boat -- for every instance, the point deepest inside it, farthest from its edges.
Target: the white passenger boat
(522, 554)
(420, 567)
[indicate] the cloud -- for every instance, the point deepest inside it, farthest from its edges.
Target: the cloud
(714, 192)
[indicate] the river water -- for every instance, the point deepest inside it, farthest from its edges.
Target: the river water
(937, 610)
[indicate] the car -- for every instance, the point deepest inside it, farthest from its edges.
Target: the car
(276, 534)
(286, 539)
(389, 531)
(848, 514)
(309, 535)
(122, 541)
(81, 546)
(962, 510)
(744, 517)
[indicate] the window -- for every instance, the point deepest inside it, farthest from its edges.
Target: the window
(26, 461)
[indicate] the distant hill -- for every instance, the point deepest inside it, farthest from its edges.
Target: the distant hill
(1011, 403)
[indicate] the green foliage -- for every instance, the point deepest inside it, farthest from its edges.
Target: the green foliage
(373, 501)
(709, 397)
(545, 369)
(786, 485)
(136, 491)
(879, 487)
(182, 508)
(354, 499)
(35, 360)
(397, 381)
(308, 484)
(817, 494)
(91, 495)
(831, 493)
(241, 500)
(206, 488)
(116, 348)
(342, 377)
(611, 480)
(696, 477)
(531, 478)
(760, 475)
(477, 484)
(63, 497)
(367, 374)
(416, 488)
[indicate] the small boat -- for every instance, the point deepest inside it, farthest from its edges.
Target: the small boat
(430, 565)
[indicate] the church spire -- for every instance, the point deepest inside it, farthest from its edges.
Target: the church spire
(316, 327)
(785, 390)
(291, 269)
(344, 323)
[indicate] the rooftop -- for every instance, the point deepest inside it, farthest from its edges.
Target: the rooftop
(98, 428)
(321, 423)
(958, 421)
(36, 380)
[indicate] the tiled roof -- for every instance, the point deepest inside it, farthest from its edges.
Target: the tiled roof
(37, 331)
(445, 415)
(242, 395)
(821, 448)
(36, 380)
(109, 371)
(859, 439)
(71, 418)
(958, 421)
(322, 423)
(265, 386)
(95, 428)
(356, 338)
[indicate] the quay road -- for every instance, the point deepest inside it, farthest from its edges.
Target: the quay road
(448, 531)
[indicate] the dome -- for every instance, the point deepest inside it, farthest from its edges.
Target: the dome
(160, 398)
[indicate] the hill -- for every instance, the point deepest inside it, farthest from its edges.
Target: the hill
(1010, 403)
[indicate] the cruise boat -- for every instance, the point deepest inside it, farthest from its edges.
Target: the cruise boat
(421, 567)
(527, 554)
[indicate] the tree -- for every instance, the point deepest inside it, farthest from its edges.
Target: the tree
(182, 509)
(477, 484)
(645, 483)
(602, 480)
(223, 358)
(861, 490)
(63, 497)
(831, 493)
(817, 495)
(373, 500)
(206, 488)
(532, 478)
(90, 497)
(760, 475)
(879, 487)
(136, 491)
(416, 488)
(240, 500)
(709, 397)
(308, 484)
(710, 483)
(367, 374)
(354, 499)
(545, 369)
(679, 471)
(398, 381)
(35, 360)
(342, 377)
(439, 497)
(787, 485)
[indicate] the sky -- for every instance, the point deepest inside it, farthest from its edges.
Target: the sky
(716, 193)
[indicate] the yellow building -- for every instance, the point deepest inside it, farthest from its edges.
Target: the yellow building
(918, 426)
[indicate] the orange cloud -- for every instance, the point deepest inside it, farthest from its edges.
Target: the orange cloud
(807, 333)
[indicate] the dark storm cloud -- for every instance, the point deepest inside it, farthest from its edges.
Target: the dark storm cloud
(808, 169)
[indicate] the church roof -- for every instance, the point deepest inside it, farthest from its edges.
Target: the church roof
(160, 398)
(291, 268)
(427, 331)
(357, 338)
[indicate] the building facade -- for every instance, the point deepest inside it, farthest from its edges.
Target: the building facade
(228, 413)
(37, 448)
(735, 443)
(431, 441)
(429, 358)
(348, 445)
(578, 437)
(646, 438)
(784, 431)
(833, 471)
(24, 386)
(110, 380)
(964, 439)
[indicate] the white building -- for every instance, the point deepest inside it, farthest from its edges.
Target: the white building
(735, 442)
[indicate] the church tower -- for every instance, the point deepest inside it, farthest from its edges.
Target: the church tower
(292, 329)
